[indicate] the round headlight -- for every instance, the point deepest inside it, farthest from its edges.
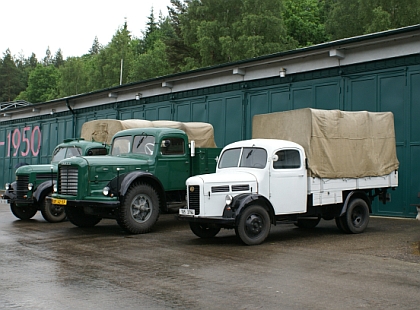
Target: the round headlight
(55, 188)
(228, 199)
(105, 191)
(30, 186)
(7, 186)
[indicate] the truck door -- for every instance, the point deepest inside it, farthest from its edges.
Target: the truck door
(288, 181)
(173, 164)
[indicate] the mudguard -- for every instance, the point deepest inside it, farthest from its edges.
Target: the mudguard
(132, 176)
(355, 194)
(43, 189)
(242, 201)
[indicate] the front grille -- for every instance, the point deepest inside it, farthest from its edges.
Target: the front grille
(67, 181)
(46, 176)
(240, 188)
(220, 189)
(194, 198)
(22, 185)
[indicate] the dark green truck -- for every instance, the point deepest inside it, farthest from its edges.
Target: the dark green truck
(144, 174)
(34, 183)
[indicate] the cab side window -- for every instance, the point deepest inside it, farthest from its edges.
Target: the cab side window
(172, 146)
(287, 159)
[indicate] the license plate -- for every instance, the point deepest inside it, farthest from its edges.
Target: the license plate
(186, 212)
(4, 201)
(56, 201)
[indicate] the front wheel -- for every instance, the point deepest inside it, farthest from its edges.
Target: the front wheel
(77, 217)
(356, 217)
(203, 230)
(52, 213)
(139, 210)
(23, 213)
(254, 225)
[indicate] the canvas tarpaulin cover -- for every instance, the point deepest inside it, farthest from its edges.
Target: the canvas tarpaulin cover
(338, 144)
(103, 130)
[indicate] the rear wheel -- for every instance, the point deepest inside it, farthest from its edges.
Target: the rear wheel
(77, 217)
(204, 230)
(52, 213)
(23, 213)
(341, 224)
(254, 225)
(357, 216)
(139, 210)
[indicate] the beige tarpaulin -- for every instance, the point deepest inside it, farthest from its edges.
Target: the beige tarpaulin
(338, 144)
(103, 130)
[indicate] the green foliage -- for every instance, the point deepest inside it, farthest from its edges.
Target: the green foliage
(43, 84)
(11, 83)
(304, 21)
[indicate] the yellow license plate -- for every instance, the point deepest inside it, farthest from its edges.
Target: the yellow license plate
(59, 201)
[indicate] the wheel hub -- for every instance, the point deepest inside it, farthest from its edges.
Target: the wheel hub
(254, 224)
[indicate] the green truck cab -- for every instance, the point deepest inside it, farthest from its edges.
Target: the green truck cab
(34, 183)
(144, 174)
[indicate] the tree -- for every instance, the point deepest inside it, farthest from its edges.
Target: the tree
(58, 60)
(42, 84)
(96, 47)
(48, 58)
(304, 20)
(73, 77)
(10, 78)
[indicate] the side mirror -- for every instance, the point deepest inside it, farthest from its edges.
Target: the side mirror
(275, 157)
(165, 143)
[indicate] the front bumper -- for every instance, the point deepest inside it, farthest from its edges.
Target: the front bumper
(88, 203)
(212, 220)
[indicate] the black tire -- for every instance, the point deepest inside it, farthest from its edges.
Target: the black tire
(204, 230)
(51, 213)
(341, 224)
(308, 223)
(254, 225)
(77, 217)
(139, 210)
(357, 216)
(23, 213)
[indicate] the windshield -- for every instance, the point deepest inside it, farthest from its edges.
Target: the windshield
(250, 157)
(66, 152)
(142, 144)
(121, 145)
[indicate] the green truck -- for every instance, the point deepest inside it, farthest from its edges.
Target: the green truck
(34, 183)
(144, 175)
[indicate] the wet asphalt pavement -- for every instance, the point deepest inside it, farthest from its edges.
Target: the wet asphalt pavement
(60, 266)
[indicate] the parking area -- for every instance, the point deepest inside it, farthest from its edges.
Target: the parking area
(60, 266)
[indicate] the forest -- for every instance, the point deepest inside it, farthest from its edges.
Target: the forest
(195, 34)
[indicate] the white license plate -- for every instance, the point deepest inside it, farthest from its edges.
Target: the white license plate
(186, 211)
(4, 201)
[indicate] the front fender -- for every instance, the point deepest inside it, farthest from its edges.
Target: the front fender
(242, 201)
(43, 189)
(129, 178)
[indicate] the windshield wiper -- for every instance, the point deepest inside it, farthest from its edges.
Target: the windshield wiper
(141, 140)
(249, 154)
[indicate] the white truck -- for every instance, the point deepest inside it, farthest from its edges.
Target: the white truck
(300, 166)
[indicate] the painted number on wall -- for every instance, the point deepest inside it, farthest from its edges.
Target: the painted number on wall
(28, 140)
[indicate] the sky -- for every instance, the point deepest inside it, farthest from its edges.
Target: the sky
(31, 26)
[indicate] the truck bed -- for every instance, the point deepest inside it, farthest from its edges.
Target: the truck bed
(329, 191)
